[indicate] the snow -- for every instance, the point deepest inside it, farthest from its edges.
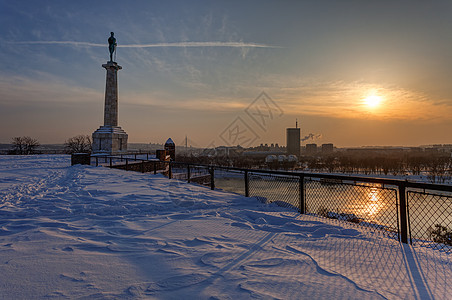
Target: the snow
(98, 233)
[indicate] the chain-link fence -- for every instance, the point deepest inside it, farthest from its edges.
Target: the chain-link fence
(369, 205)
(282, 190)
(430, 219)
(230, 180)
(191, 173)
(398, 209)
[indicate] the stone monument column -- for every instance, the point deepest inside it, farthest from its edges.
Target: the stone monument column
(111, 94)
(110, 138)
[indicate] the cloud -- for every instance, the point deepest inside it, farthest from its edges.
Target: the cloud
(161, 100)
(20, 91)
(153, 45)
(345, 99)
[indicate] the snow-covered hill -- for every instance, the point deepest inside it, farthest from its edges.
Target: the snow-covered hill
(98, 233)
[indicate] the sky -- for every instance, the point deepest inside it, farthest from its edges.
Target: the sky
(353, 73)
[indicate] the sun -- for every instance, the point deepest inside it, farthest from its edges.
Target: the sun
(372, 101)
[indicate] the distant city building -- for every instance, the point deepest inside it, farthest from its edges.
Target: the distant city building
(327, 148)
(228, 151)
(262, 148)
(438, 148)
(311, 148)
(382, 150)
(281, 161)
(293, 141)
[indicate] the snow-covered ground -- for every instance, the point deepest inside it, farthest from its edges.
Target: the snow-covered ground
(98, 233)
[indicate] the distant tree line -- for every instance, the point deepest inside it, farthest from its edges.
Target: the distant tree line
(437, 166)
(236, 161)
(24, 145)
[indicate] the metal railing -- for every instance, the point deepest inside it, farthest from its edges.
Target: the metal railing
(411, 212)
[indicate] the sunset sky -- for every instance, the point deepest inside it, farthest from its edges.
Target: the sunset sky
(353, 73)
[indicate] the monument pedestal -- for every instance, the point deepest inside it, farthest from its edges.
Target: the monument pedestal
(110, 138)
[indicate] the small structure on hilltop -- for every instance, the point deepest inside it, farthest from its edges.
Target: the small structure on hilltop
(170, 148)
(167, 154)
(110, 138)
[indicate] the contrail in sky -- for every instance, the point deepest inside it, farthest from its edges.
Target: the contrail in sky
(155, 45)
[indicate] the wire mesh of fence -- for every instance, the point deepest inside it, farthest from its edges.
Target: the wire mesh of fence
(282, 190)
(430, 219)
(193, 174)
(230, 181)
(371, 206)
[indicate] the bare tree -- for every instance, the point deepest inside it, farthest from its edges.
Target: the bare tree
(18, 145)
(24, 145)
(79, 144)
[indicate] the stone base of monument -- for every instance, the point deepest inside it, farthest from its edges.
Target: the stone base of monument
(109, 140)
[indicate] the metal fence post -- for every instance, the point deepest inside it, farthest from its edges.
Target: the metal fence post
(111, 162)
(170, 173)
(155, 167)
(127, 163)
(212, 178)
(142, 166)
(302, 198)
(97, 161)
(247, 189)
(188, 173)
(403, 214)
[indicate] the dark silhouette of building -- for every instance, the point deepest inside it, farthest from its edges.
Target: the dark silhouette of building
(311, 148)
(293, 140)
(327, 148)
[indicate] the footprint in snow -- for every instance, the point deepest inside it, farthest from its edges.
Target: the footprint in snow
(70, 278)
(242, 225)
(279, 266)
(57, 294)
(217, 259)
(175, 283)
(170, 251)
(196, 242)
